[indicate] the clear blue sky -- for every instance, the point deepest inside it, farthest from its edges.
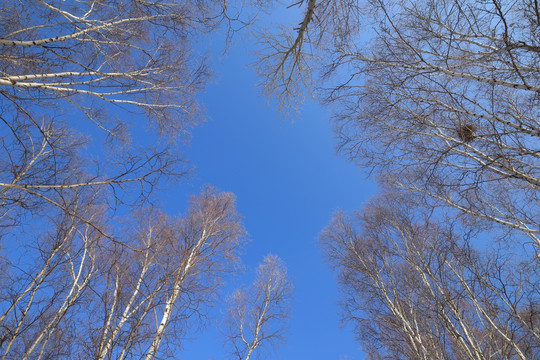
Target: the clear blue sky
(288, 181)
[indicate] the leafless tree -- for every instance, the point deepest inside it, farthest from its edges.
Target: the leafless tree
(446, 99)
(438, 98)
(77, 79)
(441, 94)
(290, 57)
(256, 316)
(95, 97)
(87, 297)
(415, 288)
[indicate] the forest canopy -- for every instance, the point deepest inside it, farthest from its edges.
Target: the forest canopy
(437, 99)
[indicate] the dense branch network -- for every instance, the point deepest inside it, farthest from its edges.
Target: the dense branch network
(438, 98)
(97, 271)
(73, 68)
(416, 289)
(446, 100)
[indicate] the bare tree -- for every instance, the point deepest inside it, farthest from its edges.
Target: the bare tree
(80, 82)
(97, 68)
(439, 98)
(446, 98)
(290, 57)
(256, 316)
(415, 288)
(442, 94)
(87, 297)
(46, 277)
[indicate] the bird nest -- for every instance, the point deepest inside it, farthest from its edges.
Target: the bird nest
(466, 132)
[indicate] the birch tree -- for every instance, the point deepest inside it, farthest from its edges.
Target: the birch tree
(415, 286)
(79, 81)
(96, 98)
(88, 297)
(257, 315)
(441, 95)
(289, 58)
(438, 99)
(446, 100)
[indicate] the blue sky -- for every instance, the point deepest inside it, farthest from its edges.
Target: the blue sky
(288, 181)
